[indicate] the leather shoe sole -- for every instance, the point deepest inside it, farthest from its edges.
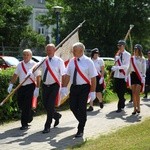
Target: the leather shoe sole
(118, 111)
(24, 128)
(46, 131)
(90, 109)
(79, 134)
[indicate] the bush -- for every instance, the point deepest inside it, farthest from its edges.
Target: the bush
(10, 110)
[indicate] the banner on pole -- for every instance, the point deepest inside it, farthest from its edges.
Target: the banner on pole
(65, 52)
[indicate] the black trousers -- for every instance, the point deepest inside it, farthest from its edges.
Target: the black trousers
(147, 89)
(24, 97)
(49, 94)
(120, 88)
(78, 102)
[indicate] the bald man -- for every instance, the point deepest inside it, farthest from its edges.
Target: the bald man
(82, 74)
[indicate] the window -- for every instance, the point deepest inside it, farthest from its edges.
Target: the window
(41, 30)
(41, 1)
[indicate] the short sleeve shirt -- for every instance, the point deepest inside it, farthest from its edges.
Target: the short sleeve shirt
(87, 68)
(21, 74)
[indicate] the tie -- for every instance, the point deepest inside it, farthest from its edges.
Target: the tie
(75, 75)
(121, 56)
(45, 73)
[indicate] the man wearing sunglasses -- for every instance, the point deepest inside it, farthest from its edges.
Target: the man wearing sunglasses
(122, 59)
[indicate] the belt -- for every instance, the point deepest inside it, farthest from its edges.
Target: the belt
(79, 84)
(27, 85)
(48, 85)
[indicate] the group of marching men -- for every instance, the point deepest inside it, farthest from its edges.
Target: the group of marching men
(86, 78)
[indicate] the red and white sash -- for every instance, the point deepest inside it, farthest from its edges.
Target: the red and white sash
(123, 72)
(34, 99)
(25, 71)
(80, 73)
(137, 72)
(57, 101)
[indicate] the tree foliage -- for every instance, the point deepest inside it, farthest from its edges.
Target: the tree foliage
(14, 17)
(107, 21)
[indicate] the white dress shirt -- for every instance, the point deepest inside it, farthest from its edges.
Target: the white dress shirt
(86, 66)
(140, 64)
(98, 64)
(57, 66)
(21, 74)
(124, 65)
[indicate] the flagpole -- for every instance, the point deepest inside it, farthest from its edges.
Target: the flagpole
(59, 45)
(74, 31)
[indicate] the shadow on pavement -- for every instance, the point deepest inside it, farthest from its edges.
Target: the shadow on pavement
(38, 137)
(123, 115)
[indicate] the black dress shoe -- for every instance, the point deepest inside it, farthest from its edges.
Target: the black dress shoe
(90, 108)
(24, 128)
(138, 111)
(145, 97)
(133, 113)
(79, 134)
(46, 131)
(101, 104)
(57, 120)
(118, 111)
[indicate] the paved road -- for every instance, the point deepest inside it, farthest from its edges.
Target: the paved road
(99, 122)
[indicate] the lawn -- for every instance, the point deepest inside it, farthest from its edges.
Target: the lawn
(134, 137)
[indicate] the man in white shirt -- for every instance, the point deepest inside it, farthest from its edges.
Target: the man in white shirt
(53, 71)
(82, 74)
(122, 61)
(28, 89)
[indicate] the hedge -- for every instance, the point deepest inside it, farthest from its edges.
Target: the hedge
(10, 111)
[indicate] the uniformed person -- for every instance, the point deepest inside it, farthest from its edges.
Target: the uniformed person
(28, 89)
(147, 79)
(137, 70)
(53, 70)
(82, 74)
(122, 60)
(100, 85)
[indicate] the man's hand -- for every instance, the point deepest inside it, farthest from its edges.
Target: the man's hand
(64, 91)
(143, 80)
(92, 96)
(101, 80)
(114, 68)
(117, 57)
(36, 92)
(9, 89)
(29, 73)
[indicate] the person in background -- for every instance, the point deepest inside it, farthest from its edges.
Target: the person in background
(53, 71)
(122, 60)
(28, 89)
(137, 70)
(99, 64)
(147, 79)
(129, 91)
(82, 73)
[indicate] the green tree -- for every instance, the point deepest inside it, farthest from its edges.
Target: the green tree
(107, 21)
(14, 17)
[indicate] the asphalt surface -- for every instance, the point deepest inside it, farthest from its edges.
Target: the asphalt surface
(99, 122)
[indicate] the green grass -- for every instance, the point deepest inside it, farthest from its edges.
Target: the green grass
(134, 137)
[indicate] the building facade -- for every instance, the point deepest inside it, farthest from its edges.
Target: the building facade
(39, 8)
